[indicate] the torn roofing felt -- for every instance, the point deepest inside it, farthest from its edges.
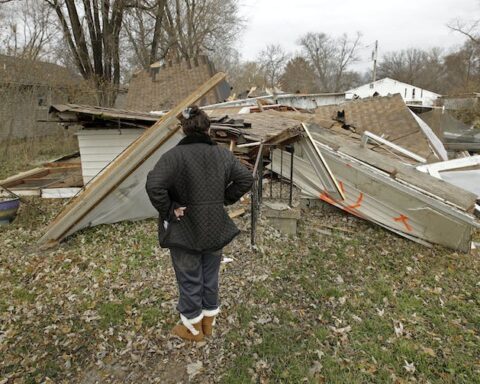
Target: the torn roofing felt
(121, 184)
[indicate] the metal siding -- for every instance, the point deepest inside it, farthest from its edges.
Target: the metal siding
(378, 198)
(99, 147)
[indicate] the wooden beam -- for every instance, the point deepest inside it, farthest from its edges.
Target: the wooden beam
(122, 166)
(13, 179)
(320, 166)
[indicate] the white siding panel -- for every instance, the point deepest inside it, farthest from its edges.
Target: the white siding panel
(99, 147)
(106, 150)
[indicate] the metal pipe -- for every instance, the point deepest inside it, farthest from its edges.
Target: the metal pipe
(291, 150)
(271, 173)
(253, 219)
(254, 200)
(260, 178)
(281, 171)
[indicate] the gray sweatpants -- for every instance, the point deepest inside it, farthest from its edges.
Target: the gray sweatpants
(197, 278)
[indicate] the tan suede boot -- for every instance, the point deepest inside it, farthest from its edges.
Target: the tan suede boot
(207, 324)
(189, 329)
(209, 321)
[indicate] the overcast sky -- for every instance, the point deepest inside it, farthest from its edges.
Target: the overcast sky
(396, 24)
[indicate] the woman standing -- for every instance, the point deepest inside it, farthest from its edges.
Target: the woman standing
(189, 187)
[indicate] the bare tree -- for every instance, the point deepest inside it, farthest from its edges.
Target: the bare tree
(272, 61)
(466, 76)
(469, 29)
(145, 33)
(92, 33)
(406, 65)
(415, 66)
(330, 58)
(462, 69)
(182, 29)
(27, 30)
(248, 74)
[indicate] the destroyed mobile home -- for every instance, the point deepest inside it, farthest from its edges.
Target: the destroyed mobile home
(372, 158)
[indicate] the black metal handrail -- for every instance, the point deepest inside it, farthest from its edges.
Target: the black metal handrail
(256, 193)
(257, 187)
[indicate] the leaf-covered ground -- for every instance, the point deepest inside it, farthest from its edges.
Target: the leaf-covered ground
(343, 302)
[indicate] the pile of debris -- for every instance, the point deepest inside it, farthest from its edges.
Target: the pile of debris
(373, 158)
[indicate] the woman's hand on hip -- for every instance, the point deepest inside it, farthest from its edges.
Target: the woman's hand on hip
(179, 212)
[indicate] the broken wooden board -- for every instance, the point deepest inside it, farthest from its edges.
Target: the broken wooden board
(51, 175)
(114, 193)
(320, 166)
(236, 213)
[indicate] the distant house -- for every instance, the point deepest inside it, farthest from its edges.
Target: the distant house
(411, 94)
(28, 88)
(164, 85)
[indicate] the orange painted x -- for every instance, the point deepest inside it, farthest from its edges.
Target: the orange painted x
(404, 220)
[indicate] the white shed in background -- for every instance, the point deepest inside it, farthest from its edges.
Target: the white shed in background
(98, 147)
(384, 87)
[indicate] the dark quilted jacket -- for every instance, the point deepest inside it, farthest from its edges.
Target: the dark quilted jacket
(202, 176)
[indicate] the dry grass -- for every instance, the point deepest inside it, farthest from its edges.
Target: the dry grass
(19, 155)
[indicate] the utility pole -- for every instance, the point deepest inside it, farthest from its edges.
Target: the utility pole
(374, 58)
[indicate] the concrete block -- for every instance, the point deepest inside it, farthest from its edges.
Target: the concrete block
(282, 217)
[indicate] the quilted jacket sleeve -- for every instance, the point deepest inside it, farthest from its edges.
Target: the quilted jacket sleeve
(240, 182)
(159, 180)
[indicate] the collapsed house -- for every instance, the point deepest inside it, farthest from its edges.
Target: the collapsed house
(361, 157)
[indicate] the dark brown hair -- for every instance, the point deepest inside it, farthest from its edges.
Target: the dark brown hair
(194, 121)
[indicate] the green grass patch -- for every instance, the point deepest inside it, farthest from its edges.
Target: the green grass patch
(111, 314)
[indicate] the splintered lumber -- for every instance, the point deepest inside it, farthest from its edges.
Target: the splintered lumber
(111, 178)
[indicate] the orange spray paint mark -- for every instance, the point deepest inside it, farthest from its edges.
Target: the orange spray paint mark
(358, 203)
(324, 196)
(404, 219)
(350, 208)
